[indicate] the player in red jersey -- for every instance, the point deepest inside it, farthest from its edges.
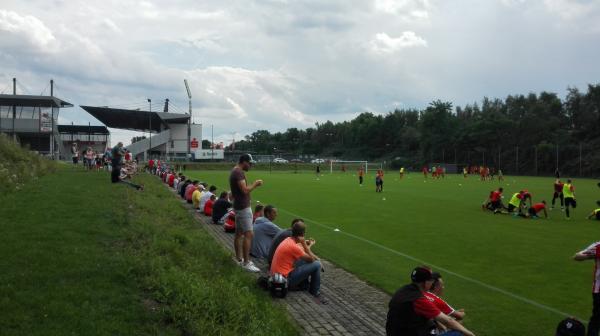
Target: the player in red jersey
(535, 209)
(558, 193)
(425, 172)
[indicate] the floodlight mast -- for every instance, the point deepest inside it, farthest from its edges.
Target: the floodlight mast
(189, 151)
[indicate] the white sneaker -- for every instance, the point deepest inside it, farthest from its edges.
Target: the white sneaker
(250, 267)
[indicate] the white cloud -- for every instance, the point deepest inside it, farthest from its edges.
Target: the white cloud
(573, 9)
(405, 9)
(383, 43)
(14, 27)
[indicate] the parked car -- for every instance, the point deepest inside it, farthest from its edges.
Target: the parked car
(296, 161)
(317, 161)
(280, 160)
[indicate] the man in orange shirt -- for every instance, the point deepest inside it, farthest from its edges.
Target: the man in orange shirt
(294, 260)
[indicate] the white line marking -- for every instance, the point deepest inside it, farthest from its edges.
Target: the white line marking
(445, 270)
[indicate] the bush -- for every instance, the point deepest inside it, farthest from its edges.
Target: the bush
(19, 165)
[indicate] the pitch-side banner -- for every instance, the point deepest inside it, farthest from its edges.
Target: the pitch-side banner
(45, 122)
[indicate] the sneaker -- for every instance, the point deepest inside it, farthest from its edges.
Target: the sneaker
(237, 262)
(319, 299)
(250, 267)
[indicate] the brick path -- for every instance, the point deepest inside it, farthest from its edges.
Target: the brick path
(354, 308)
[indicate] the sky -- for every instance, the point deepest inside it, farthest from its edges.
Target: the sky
(276, 64)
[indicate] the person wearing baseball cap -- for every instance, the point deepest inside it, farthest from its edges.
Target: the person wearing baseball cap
(412, 314)
(240, 190)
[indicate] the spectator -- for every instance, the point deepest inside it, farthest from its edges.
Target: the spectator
(189, 190)
(117, 158)
(570, 327)
(258, 212)
(264, 232)
(294, 260)
(206, 196)
(208, 206)
(592, 252)
(435, 295)
(196, 196)
(281, 236)
(243, 213)
(411, 313)
(221, 207)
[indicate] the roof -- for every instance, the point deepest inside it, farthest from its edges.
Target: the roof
(28, 100)
(83, 129)
(134, 119)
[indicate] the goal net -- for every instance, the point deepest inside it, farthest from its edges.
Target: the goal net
(349, 166)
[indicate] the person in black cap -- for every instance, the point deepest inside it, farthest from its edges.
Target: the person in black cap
(570, 327)
(412, 314)
(240, 190)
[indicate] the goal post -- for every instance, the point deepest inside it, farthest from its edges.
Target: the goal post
(348, 165)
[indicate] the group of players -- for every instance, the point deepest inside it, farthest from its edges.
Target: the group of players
(521, 203)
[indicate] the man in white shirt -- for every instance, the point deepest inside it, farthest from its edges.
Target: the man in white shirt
(206, 196)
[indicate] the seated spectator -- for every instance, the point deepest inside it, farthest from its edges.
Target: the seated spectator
(208, 206)
(184, 186)
(264, 232)
(189, 190)
(412, 313)
(281, 236)
(294, 260)
(221, 206)
(206, 196)
(229, 221)
(435, 295)
(258, 212)
(570, 327)
(171, 179)
(196, 198)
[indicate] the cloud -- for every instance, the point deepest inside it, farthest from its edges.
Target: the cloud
(384, 44)
(14, 28)
(405, 9)
(573, 9)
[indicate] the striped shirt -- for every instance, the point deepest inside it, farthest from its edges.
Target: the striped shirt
(594, 250)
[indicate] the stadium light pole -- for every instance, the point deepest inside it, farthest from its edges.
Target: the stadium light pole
(189, 130)
(149, 127)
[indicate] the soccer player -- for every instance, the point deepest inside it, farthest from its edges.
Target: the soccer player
(593, 252)
(379, 181)
(569, 193)
(465, 173)
(516, 202)
(425, 171)
(361, 175)
(558, 193)
(595, 214)
(401, 172)
(318, 170)
(535, 209)
(500, 176)
(496, 200)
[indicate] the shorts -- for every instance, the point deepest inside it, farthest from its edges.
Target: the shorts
(496, 205)
(360, 179)
(75, 159)
(532, 212)
(570, 201)
(243, 220)
(511, 208)
(557, 195)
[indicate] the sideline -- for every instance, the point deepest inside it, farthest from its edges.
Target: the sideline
(445, 270)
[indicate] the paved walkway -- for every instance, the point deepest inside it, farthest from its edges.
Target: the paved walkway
(354, 308)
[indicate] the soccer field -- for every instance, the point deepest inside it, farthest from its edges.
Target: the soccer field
(513, 276)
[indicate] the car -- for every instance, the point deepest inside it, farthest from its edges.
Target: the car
(317, 161)
(296, 161)
(280, 160)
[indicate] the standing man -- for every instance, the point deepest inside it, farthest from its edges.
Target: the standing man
(361, 175)
(411, 313)
(569, 193)
(558, 193)
(401, 172)
(593, 252)
(75, 154)
(116, 155)
(243, 212)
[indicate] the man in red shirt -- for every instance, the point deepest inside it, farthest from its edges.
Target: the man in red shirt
(593, 252)
(171, 179)
(558, 193)
(425, 171)
(435, 295)
(411, 313)
(496, 200)
(535, 209)
(208, 206)
(294, 260)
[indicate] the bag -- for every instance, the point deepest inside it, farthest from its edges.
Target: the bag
(278, 286)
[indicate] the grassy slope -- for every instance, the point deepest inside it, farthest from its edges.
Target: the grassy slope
(82, 256)
(442, 223)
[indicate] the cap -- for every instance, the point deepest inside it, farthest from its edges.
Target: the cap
(570, 327)
(421, 274)
(246, 158)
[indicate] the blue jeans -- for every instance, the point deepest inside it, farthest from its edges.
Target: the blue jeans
(303, 270)
(451, 333)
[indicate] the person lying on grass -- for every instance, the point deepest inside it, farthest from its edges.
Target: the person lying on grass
(264, 232)
(294, 260)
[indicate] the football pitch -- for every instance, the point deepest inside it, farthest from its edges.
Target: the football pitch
(513, 276)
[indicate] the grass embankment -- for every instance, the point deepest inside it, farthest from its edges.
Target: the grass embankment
(19, 166)
(81, 256)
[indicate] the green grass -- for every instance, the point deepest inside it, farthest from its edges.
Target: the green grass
(442, 223)
(81, 256)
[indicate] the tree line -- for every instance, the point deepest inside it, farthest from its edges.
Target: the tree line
(522, 134)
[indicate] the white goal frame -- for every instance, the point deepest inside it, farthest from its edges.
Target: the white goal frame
(365, 163)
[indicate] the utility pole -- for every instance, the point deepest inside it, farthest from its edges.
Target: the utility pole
(189, 133)
(149, 127)
(52, 116)
(14, 108)
(212, 141)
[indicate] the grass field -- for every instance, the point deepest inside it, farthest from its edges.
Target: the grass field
(513, 276)
(82, 256)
